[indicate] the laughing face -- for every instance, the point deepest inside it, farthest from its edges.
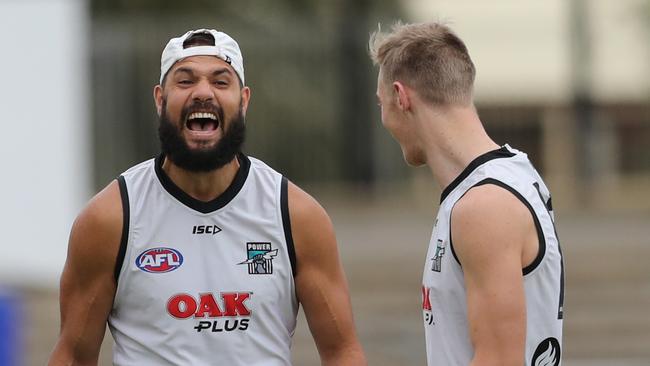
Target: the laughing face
(202, 109)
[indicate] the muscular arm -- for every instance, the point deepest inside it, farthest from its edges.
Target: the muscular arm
(320, 282)
(494, 238)
(87, 283)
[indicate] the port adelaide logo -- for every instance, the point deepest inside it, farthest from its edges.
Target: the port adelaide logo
(437, 257)
(260, 258)
(159, 260)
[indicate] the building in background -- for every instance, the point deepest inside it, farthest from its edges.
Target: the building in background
(571, 81)
(566, 81)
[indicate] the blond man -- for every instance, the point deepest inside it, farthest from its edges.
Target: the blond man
(492, 288)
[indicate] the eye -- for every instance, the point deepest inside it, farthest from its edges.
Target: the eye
(221, 82)
(185, 82)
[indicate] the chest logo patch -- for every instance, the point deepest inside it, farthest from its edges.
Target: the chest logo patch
(159, 260)
(259, 258)
(437, 258)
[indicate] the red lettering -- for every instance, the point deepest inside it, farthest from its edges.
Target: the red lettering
(234, 303)
(426, 303)
(208, 306)
(181, 306)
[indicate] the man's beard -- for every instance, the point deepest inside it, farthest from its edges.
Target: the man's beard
(198, 160)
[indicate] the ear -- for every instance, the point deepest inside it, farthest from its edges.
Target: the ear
(245, 98)
(401, 92)
(158, 98)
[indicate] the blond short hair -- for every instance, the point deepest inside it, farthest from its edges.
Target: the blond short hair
(427, 57)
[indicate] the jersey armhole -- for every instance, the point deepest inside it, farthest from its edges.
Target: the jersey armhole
(126, 216)
(286, 223)
(541, 250)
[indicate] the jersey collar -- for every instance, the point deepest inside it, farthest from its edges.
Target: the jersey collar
(502, 152)
(202, 206)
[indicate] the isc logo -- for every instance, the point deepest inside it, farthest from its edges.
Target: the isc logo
(205, 229)
(159, 260)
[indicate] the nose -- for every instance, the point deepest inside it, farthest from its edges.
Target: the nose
(202, 91)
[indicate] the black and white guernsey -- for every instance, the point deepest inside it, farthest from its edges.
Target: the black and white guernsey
(204, 283)
(443, 290)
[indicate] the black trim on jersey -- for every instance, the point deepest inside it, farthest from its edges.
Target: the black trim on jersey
(502, 152)
(541, 251)
(201, 206)
(286, 223)
(560, 311)
(126, 217)
(549, 208)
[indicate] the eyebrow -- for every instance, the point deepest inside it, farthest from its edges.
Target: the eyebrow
(225, 70)
(217, 72)
(190, 71)
(186, 70)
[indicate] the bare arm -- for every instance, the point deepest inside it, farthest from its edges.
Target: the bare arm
(320, 282)
(494, 237)
(87, 283)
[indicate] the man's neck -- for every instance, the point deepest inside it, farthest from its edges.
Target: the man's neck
(204, 186)
(454, 139)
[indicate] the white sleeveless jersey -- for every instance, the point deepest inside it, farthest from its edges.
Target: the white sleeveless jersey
(204, 283)
(443, 290)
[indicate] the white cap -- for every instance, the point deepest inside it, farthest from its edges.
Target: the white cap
(224, 47)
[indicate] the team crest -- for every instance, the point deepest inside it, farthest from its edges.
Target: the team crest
(437, 258)
(260, 258)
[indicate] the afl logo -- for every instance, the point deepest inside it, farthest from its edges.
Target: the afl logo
(159, 260)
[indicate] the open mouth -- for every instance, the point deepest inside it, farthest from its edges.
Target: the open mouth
(202, 121)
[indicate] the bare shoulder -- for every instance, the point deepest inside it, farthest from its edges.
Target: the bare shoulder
(489, 218)
(97, 230)
(87, 282)
(311, 226)
(305, 211)
(488, 202)
(303, 206)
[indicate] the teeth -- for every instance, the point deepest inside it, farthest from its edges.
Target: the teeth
(202, 115)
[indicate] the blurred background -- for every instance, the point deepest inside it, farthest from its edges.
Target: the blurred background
(567, 81)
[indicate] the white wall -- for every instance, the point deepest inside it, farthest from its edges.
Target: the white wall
(45, 135)
(521, 48)
(621, 49)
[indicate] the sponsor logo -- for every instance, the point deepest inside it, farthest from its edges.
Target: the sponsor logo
(426, 305)
(159, 260)
(211, 311)
(205, 229)
(437, 258)
(260, 258)
(548, 353)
